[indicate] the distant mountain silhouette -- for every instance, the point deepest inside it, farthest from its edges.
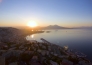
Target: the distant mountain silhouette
(54, 27)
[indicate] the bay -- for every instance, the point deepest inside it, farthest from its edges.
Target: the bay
(76, 39)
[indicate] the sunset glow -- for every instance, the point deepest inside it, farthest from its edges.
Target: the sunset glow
(64, 13)
(32, 24)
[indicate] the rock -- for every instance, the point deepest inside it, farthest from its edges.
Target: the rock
(14, 63)
(2, 60)
(53, 63)
(83, 63)
(66, 62)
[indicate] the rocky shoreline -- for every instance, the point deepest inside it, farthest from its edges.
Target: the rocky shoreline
(23, 52)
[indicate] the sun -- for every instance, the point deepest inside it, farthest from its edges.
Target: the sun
(32, 24)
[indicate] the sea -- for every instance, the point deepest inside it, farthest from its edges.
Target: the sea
(76, 39)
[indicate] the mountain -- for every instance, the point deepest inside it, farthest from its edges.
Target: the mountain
(54, 27)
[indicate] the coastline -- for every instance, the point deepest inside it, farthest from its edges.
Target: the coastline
(22, 51)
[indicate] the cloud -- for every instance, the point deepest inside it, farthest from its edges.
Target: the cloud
(0, 1)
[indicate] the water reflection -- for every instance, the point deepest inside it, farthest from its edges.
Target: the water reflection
(32, 30)
(32, 36)
(73, 38)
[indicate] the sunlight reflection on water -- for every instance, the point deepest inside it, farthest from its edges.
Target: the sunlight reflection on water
(32, 36)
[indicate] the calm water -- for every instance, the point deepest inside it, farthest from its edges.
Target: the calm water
(79, 39)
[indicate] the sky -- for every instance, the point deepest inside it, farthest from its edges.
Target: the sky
(67, 13)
